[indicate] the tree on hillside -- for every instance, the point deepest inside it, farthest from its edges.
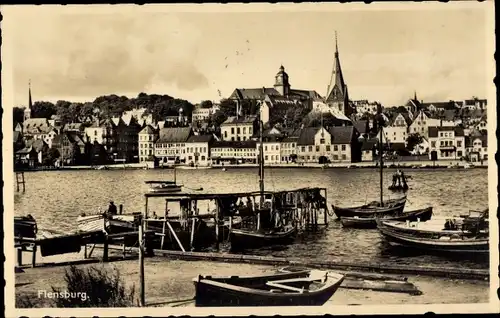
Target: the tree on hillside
(217, 118)
(413, 140)
(43, 110)
(206, 104)
(18, 114)
(401, 109)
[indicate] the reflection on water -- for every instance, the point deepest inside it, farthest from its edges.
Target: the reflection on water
(56, 198)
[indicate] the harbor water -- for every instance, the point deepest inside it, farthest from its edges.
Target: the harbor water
(57, 198)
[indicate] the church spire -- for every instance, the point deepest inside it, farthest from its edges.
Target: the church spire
(337, 79)
(415, 96)
(30, 101)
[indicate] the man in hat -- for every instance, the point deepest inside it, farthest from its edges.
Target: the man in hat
(112, 208)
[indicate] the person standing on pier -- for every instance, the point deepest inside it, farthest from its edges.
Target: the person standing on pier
(112, 208)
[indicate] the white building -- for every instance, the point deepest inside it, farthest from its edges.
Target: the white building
(171, 144)
(147, 139)
(234, 152)
(198, 150)
(239, 128)
(447, 142)
(397, 130)
(312, 144)
(477, 147)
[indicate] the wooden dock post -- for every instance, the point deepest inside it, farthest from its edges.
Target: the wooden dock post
(142, 300)
(120, 209)
(85, 251)
(192, 233)
(19, 256)
(217, 211)
(325, 209)
(33, 255)
(105, 251)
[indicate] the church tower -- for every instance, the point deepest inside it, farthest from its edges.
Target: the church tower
(27, 111)
(338, 96)
(282, 85)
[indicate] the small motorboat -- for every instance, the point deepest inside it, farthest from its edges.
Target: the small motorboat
(302, 288)
(371, 221)
(164, 186)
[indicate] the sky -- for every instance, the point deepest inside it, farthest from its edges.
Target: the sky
(80, 53)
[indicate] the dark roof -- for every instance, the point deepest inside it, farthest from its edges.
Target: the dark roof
(361, 126)
(253, 93)
(442, 105)
(469, 140)
(306, 136)
(233, 120)
(305, 93)
(342, 134)
(201, 138)
(177, 134)
(434, 131)
(235, 144)
(368, 144)
(147, 130)
(397, 146)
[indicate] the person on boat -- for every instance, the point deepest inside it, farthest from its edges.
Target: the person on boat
(112, 208)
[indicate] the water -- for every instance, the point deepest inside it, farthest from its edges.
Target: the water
(56, 198)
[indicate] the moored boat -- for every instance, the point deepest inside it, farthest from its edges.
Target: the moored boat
(111, 224)
(371, 221)
(304, 288)
(389, 207)
(454, 235)
(163, 186)
(244, 239)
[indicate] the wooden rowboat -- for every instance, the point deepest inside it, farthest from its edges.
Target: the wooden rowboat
(243, 239)
(391, 207)
(304, 288)
(371, 221)
(438, 240)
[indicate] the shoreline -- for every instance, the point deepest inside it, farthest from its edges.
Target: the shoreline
(453, 165)
(168, 281)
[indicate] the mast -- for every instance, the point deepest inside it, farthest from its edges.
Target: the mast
(381, 160)
(261, 162)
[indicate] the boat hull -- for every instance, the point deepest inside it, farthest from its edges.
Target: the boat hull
(371, 222)
(234, 292)
(368, 212)
(440, 242)
(246, 239)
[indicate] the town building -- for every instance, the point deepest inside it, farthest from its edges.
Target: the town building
(364, 106)
(288, 147)
(475, 103)
(239, 128)
(127, 133)
(313, 145)
(171, 144)
(71, 148)
(272, 146)
(446, 142)
(477, 147)
(368, 149)
(198, 150)
(234, 152)
(344, 144)
(147, 139)
(397, 129)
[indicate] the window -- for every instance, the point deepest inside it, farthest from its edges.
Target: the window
(322, 141)
(310, 148)
(249, 130)
(265, 148)
(225, 134)
(266, 157)
(238, 130)
(459, 143)
(459, 153)
(272, 147)
(433, 144)
(344, 157)
(232, 130)
(317, 148)
(95, 132)
(327, 147)
(335, 157)
(232, 138)
(303, 149)
(244, 130)
(335, 148)
(442, 143)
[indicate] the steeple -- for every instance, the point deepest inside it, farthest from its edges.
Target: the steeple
(28, 110)
(337, 79)
(415, 96)
(282, 84)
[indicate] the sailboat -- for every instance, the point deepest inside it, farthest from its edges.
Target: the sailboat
(374, 208)
(262, 235)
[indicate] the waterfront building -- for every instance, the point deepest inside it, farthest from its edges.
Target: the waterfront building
(447, 142)
(397, 129)
(363, 127)
(234, 152)
(239, 128)
(33, 153)
(70, 146)
(127, 132)
(201, 114)
(288, 147)
(475, 103)
(198, 149)
(344, 144)
(272, 146)
(74, 127)
(364, 106)
(477, 147)
(18, 141)
(171, 144)
(147, 139)
(313, 145)
(368, 147)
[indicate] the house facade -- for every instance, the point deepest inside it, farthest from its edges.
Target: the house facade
(198, 150)
(234, 152)
(171, 144)
(477, 148)
(313, 145)
(397, 130)
(345, 148)
(447, 142)
(147, 140)
(239, 128)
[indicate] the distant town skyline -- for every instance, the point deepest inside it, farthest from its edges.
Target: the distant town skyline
(76, 54)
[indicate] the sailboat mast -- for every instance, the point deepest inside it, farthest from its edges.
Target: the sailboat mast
(381, 162)
(261, 162)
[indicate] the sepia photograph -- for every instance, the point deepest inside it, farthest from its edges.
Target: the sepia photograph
(252, 159)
